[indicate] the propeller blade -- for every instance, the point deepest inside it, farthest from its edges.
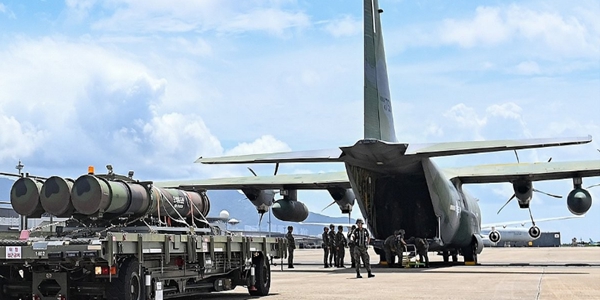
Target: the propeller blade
(326, 207)
(260, 220)
(593, 185)
(276, 169)
(548, 194)
(513, 197)
(517, 155)
(252, 171)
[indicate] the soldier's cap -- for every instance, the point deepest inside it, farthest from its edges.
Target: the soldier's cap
(331, 226)
(359, 221)
(290, 227)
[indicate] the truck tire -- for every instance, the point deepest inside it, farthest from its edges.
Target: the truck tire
(129, 284)
(262, 277)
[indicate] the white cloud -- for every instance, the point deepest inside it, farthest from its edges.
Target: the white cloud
(505, 110)
(346, 26)
(465, 116)
(5, 10)
(264, 144)
(79, 9)
(273, 21)
(187, 16)
(18, 140)
(528, 68)
(566, 33)
(487, 27)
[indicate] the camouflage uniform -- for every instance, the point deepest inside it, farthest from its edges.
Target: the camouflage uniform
(341, 243)
(332, 249)
(422, 248)
(351, 245)
(291, 246)
(393, 246)
(325, 237)
(360, 236)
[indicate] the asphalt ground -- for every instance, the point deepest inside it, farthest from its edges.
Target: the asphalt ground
(502, 273)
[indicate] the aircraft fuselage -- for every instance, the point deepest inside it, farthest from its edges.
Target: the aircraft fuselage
(411, 193)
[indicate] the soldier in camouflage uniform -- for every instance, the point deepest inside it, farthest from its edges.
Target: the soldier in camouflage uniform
(361, 240)
(291, 246)
(422, 248)
(394, 246)
(325, 237)
(332, 246)
(341, 243)
(351, 245)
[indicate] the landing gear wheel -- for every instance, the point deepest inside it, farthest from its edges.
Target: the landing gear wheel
(470, 252)
(129, 284)
(262, 277)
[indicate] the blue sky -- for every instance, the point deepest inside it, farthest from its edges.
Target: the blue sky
(152, 85)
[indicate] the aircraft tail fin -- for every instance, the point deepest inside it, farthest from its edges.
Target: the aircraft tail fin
(379, 121)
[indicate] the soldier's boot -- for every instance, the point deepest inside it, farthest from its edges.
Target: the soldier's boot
(371, 275)
(358, 275)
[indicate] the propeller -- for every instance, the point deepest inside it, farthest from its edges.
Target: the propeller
(535, 190)
(254, 173)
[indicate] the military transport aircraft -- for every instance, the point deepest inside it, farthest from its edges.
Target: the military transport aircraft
(398, 185)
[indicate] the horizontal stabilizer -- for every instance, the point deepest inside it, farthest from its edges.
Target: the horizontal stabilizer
(325, 155)
(294, 181)
(457, 148)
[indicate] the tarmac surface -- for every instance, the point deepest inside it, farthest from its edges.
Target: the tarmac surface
(502, 273)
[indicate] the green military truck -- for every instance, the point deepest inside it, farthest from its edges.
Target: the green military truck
(125, 239)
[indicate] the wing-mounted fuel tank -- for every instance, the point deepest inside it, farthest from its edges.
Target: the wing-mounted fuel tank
(344, 198)
(106, 198)
(289, 208)
(579, 200)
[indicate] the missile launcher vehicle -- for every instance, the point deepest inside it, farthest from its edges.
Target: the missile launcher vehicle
(125, 239)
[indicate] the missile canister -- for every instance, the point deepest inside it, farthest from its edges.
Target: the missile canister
(55, 196)
(175, 202)
(25, 197)
(92, 195)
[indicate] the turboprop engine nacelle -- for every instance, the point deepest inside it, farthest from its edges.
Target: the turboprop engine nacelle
(289, 208)
(534, 232)
(579, 201)
(523, 192)
(344, 198)
(261, 199)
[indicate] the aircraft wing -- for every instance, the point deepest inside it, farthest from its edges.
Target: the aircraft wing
(325, 155)
(531, 171)
(430, 150)
(523, 222)
(292, 181)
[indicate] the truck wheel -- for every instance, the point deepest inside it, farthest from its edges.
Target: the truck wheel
(262, 277)
(129, 284)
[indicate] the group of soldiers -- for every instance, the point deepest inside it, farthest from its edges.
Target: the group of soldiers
(395, 245)
(357, 239)
(335, 244)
